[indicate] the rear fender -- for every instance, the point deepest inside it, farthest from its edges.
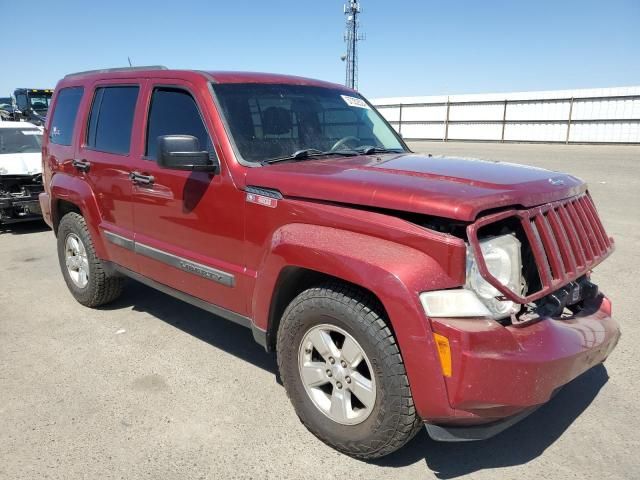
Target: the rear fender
(395, 273)
(78, 192)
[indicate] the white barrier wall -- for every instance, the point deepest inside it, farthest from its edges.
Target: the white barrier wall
(599, 115)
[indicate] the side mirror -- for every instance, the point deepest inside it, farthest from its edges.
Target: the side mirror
(182, 152)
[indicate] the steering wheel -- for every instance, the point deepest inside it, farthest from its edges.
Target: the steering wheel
(343, 141)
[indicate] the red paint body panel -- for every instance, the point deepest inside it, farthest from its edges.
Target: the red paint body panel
(194, 215)
(500, 371)
(445, 187)
(76, 191)
(206, 218)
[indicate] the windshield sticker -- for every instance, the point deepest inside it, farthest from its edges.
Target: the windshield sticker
(31, 132)
(355, 102)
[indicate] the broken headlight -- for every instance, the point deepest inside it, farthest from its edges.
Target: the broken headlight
(504, 261)
(478, 298)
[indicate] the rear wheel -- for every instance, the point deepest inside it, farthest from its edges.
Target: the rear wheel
(85, 275)
(343, 372)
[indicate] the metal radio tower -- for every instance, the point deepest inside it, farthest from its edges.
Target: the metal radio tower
(352, 37)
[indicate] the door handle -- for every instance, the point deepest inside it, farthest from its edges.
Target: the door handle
(81, 165)
(141, 179)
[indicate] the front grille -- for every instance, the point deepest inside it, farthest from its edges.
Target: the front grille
(567, 239)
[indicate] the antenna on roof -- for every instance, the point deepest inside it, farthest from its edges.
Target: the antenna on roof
(129, 58)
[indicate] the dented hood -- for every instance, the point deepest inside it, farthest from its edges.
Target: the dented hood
(20, 163)
(456, 188)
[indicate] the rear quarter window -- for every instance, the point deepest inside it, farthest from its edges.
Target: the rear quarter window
(64, 115)
(111, 119)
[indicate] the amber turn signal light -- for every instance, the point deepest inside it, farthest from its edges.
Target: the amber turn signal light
(444, 352)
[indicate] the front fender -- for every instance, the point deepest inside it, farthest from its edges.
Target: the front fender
(78, 192)
(395, 273)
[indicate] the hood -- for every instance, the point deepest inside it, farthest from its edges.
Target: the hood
(20, 163)
(455, 188)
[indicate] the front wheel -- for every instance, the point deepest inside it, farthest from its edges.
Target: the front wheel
(343, 372)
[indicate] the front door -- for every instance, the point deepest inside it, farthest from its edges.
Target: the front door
(189, 225)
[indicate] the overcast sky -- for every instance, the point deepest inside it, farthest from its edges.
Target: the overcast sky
(428, 48)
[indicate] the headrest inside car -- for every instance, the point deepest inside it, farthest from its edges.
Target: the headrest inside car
(276, 121)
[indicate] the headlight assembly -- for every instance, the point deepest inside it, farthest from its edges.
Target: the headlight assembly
(479, 298)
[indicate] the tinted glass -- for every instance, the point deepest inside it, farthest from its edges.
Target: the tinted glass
(174, 112)
(64, 115)
(21, 101)
(111, 119)
(273, 120)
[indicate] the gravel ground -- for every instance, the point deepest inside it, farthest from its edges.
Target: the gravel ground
(153, 388)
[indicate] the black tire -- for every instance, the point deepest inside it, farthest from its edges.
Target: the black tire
(102, 287)
(393, 420)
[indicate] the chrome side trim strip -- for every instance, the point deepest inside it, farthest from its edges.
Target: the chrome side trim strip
(119, 240)
(175, 261)
(194, 268)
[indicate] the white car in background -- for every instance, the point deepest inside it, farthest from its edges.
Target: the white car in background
(20, 171)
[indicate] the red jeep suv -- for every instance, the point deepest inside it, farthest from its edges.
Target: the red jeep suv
(398, 290)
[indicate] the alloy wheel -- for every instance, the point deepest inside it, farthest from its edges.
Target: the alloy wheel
(76, 260)
(337, 374)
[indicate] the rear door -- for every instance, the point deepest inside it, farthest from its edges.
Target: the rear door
(189, 225)
(58, 145)
(104, 161)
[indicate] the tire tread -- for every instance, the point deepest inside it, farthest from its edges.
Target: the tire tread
(103, 287)
(367, 310)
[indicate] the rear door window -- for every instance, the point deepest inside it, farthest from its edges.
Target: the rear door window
(111, 119)
(64, 115)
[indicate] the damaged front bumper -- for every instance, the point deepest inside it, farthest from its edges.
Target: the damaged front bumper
(19, 198)
(14, 210)
(501, 374)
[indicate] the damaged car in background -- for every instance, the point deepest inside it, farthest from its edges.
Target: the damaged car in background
(20, 172)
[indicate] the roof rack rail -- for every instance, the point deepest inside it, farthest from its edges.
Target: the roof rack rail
(118, 69)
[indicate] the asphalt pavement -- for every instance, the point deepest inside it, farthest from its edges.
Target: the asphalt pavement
(150, 387)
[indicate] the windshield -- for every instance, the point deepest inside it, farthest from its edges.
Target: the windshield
(40, 101)
(274, 120)
(20, 140)
(5, 103)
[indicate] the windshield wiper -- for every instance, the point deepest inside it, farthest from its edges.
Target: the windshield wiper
(308, 153)
(369, 149)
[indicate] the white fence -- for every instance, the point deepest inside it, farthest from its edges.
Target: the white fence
(602, 115)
